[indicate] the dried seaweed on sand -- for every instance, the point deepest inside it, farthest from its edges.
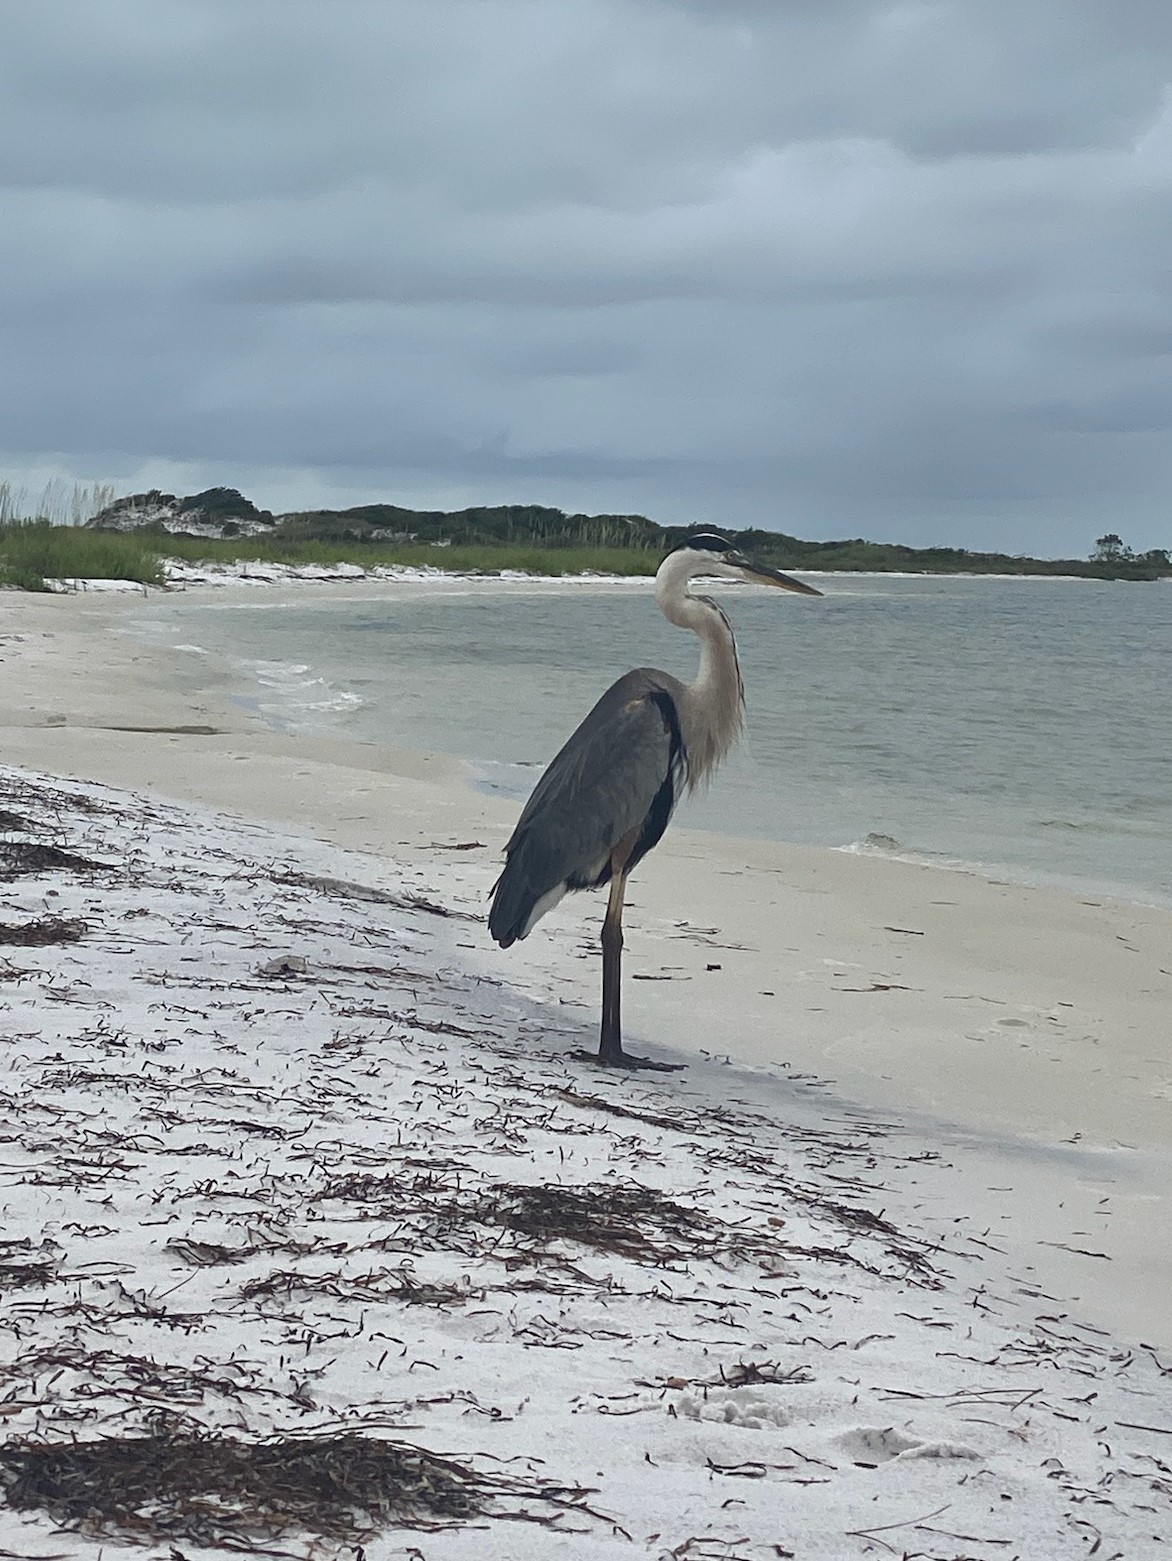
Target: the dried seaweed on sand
(211, 1489)
(19, 857)
(42, 931)
(628, 1219)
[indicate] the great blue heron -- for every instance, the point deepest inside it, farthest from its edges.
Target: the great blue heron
(607, 797)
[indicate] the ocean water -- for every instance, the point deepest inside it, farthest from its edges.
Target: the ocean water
(1019, 726)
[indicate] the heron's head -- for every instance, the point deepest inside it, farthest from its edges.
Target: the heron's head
(708, 553)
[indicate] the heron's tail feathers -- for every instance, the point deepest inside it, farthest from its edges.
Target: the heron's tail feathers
(506, 915)
(517, 905)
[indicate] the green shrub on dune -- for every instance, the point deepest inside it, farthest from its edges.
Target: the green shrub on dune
(485, 558)
(34, 552)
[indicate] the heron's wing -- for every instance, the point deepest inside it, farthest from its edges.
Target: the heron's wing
(606, 777)
(618, 773)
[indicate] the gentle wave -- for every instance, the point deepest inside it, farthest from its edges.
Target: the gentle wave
(878, 844)
(297, 697)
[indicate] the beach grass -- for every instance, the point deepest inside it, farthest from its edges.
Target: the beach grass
(483, 558)
(34, 552)
(59, 502)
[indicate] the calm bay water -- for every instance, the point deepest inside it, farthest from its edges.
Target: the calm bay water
(1022, 725)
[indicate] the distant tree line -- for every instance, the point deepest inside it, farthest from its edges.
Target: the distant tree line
(1111, 549)
(525, 524)
(538, 525)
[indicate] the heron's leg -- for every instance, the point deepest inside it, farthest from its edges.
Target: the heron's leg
(610, 1046)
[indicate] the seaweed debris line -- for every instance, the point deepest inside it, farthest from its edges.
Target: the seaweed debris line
(304, 1214)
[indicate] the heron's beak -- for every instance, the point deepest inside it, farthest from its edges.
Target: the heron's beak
(761, 574)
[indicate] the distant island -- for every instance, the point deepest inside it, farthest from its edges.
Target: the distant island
(144, 536)
(225, 515)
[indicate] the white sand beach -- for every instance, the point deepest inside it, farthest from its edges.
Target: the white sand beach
(981, 1066)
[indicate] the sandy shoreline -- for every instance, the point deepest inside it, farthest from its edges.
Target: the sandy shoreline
(1023, 1029)
(301, 1205)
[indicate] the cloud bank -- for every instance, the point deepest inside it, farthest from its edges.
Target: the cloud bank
(838, 268)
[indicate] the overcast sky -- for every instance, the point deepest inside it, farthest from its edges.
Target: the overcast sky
(826, 266)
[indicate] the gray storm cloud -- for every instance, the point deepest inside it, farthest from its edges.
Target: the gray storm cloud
(836, 268)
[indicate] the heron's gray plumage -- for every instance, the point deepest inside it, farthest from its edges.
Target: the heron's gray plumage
(621, 771)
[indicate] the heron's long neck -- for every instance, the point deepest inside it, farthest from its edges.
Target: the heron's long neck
(713, 706)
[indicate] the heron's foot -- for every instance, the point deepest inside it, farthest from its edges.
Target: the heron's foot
(621, 1059)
